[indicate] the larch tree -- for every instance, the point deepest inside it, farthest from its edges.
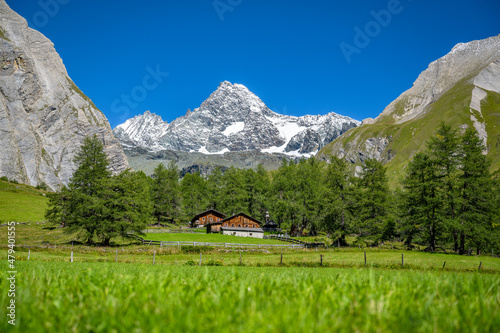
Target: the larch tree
(372, 193)
(422, 202)
(475, 199)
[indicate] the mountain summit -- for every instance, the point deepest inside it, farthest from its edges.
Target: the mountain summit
(462, 89)
(44, 117)
(233, 119)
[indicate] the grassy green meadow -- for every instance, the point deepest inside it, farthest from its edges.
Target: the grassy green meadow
(118, 289)
(213, 238)
(21, 202)
(109, 297)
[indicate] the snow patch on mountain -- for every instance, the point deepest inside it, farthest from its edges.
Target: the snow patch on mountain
(234, 128)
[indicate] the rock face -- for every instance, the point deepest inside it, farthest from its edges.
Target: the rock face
(461, 89)
(464, 60)
(44, 117)
(233, 119)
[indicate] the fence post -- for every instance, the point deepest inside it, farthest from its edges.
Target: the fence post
(116, 258)
(29, 253)
(194, 244)
(480, 266)
(281, 261)
(321, 260)
(71, 256)
(240, 257)
(444, 265)
(365, 258)
(154, 257)
(200, 258)
(402, 259)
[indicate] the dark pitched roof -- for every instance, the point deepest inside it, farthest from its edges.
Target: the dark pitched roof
(242, 214)
(222, 215)
(271, 224)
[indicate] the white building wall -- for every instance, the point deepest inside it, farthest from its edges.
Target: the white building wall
(244, 234)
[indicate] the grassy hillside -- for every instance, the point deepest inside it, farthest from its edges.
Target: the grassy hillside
(410, 137)
(21, 202)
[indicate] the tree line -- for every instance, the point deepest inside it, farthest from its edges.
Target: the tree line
(448, 198)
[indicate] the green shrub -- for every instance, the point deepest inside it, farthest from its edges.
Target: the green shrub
(213, 262)
(195, 249)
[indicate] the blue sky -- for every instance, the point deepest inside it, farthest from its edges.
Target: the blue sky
(299, 57)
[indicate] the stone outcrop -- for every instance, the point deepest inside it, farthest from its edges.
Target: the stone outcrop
(44, 117)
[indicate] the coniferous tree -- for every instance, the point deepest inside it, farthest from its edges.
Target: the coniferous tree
(97, 205)
(194, 190)
(311, 192)
(443, 149)
(127, 205)
(337, 220)
(261, 194)
(159, 194)
(173, 192)
(87, 188)
(58, 207)
(422, 202)
(256, 185)
(372, 193)
(233, 193)
(475, 208)
(215, 185)
(285, 203)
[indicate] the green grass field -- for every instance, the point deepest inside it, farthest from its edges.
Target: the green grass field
(109, 297)
(21, 202)
(213, 238)
(118, 289)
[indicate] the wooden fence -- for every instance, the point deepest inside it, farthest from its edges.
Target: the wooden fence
(225, 245)
(295, 241)
(177, 231)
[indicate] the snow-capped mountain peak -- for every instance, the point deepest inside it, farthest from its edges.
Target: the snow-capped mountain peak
(234, 119)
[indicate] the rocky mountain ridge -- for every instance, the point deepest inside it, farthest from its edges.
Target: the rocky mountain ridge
(44, 117)
(233, 119)
(462, 89)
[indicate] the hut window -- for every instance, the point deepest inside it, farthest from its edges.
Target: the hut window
(211, 219)
(203, 219)
(232, 225)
